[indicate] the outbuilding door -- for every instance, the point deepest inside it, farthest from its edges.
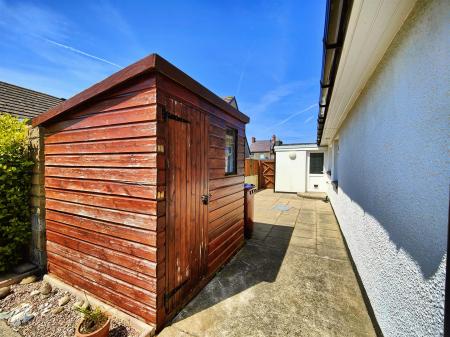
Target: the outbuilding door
(186, 202)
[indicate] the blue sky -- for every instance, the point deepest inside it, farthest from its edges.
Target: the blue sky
(266, 53)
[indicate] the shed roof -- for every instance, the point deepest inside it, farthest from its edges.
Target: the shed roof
(24, 103)
(151, 63)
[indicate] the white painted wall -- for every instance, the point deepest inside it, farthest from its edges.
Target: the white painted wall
(292, 175)
(394, 173)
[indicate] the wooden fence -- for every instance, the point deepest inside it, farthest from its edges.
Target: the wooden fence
(264, 170)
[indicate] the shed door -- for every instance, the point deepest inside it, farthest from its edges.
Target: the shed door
(186, 209)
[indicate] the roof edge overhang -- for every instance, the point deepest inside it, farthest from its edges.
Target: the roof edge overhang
(151, 63)
(371, 27)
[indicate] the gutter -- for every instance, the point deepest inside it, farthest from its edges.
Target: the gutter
(336, 21)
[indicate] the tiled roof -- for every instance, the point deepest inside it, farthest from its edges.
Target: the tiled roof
(24, 103)
(261, 146)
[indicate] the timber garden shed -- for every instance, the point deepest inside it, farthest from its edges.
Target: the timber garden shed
(144, 176)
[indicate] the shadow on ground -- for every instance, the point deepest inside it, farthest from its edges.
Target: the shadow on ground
(258, 261)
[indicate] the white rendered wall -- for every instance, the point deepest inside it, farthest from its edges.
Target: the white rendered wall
(393, 173)
(290, 174)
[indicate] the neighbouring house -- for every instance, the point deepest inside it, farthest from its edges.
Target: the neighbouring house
(384, 118)
(26, 103)
(263, 149)
(144, 188)
(300, 168)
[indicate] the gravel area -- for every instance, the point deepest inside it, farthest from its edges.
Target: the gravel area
(46, 323)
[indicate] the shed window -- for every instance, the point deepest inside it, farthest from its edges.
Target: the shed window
(316, 163)
(230, 151)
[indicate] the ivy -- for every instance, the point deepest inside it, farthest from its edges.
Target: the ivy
(15, 183)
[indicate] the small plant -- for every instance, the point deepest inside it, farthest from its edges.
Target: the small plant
(93, 319)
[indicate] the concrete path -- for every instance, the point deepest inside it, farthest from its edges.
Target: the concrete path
(293, 278)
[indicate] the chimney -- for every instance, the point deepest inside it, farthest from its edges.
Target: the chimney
(274, 138)
(253, 139)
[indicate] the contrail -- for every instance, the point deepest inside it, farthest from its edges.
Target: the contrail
(293, 115)
(308, 119)
(82, 53)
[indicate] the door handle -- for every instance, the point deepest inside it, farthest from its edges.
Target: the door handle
(205, 198)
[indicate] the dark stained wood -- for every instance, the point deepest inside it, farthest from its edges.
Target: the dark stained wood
(124, 216)
(135, 205)
(127, 275)
(267, 173)
(122, 116)
(145, 237)
(135, 175)
(99, 186)
(144, 160)
(143, 221)
(110, 146)
(150, 63)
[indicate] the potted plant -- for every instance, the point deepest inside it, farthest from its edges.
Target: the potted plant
(95, 323)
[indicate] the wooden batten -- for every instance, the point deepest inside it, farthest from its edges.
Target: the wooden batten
(128, 165)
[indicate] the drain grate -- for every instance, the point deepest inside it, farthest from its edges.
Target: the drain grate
(282, 207)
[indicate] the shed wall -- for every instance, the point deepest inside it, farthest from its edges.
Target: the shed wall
(226, 207)
(101, 198)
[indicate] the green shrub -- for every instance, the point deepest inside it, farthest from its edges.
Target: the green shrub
(15, 183)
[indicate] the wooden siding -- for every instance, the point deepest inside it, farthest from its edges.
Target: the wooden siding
(107, 184)
(226, 207)
(101, 186)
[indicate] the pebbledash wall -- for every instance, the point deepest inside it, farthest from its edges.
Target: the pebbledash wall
(393, 173)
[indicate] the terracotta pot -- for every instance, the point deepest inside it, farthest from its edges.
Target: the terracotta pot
(102, 332)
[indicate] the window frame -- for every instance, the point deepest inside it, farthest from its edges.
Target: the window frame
(235, 133)
(313, 154)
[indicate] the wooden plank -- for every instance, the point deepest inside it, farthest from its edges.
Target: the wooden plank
(219, 212)
(143, 221)
(112, 256)
(220, 202)
(217, 226)
(223, 182)
(111, 146)
(229, 251)
(144, 160)
(219, 244)
(215, 163)
(112, 188)
(135, 205)
(217, 142)
(128, 233)
(224, 235)
(127, 275)
(130, 175)
(134, 130)
(127, 247)
(224, 191)
(125, 303)
(104, 279)
(123, 116)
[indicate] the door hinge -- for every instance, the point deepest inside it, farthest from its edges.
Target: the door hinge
(167, 115)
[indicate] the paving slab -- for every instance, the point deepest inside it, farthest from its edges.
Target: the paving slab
(293, 278)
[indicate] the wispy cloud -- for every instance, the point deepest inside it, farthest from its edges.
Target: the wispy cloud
(117, 22)
(310, 118)
(242, 74)
(274, 96)
(295, 114)
(78, 51)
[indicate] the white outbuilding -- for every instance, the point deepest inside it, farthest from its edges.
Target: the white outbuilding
(300, 168)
